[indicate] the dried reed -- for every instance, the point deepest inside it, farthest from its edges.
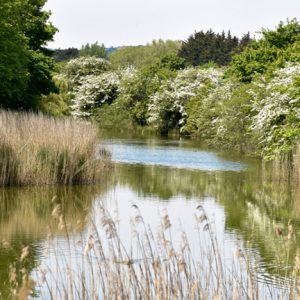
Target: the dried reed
(97, 264)
(36, 150)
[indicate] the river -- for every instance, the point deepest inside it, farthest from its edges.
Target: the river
(159, 176)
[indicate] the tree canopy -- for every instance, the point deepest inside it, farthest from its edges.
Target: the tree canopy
(140, 56)
(25, 65)
(60, 55)
(206, 47)
(273, 50)
(93, 50)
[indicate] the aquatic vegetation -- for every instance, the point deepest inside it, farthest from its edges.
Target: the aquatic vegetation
(37, 149)
(154, 266)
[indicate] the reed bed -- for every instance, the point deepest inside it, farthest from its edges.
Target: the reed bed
(41, 150)
(98, 264)
(284, 167)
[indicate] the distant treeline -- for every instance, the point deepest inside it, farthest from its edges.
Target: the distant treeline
(94, 49)
(200, 48)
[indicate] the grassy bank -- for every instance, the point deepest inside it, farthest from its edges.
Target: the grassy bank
(39, 150)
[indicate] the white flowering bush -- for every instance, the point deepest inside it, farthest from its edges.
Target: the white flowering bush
(167, 105)
(219, 115)
(92, 91)
(80, 67)
(277, 114)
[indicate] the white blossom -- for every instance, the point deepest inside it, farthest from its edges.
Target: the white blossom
(92, 91)
(175, 92)
(281, 101)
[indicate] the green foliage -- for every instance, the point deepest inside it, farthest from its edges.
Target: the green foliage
(13, 54)
(60, 55)
(93, 50)
(171, 62)
(36, 25)
(40, 81)
(201, 114)
(272, 51)
(138, 89)
(284, 35)
(108, 116)
(232, 119)
(57, 104)
(167, 107)
(253, 109)
(94, 91)
(277, 112)
(261, 117)
(140, 56)
(251, 62)
(25, 69)
(204, 47)
(135, 94)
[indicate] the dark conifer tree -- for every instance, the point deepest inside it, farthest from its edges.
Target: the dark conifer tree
(204, 47)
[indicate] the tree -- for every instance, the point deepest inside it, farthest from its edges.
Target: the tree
(60, 55)
(273, 50)
(206, 47)
(13, 53)
(93, 50)
(25, 65)
(141, 56)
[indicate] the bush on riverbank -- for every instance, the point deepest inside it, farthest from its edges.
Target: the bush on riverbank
(252, 106)
(36, 150)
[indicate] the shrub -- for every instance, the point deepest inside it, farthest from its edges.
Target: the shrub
(93, 91)
(77, 68)
(167, 105)
(277, 114)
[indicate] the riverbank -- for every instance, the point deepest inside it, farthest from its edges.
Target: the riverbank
(40, 150)
(250, 105)
(249, 217)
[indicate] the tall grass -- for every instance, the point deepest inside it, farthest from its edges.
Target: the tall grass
(284, 167)
(99, 265)
(37, 149)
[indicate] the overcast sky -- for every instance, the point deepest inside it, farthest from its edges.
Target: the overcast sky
(136, 22)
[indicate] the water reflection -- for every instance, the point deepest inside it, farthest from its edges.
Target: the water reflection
(247, 209)
(254, 209)
(25, 220)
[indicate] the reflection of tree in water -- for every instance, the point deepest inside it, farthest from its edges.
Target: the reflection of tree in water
(25, 216)
(254, 207)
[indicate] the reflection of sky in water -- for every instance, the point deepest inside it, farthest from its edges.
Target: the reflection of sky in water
(171, 157)
(119, 201)
(148, 186)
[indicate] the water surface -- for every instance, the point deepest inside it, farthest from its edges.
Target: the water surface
(155, 174)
